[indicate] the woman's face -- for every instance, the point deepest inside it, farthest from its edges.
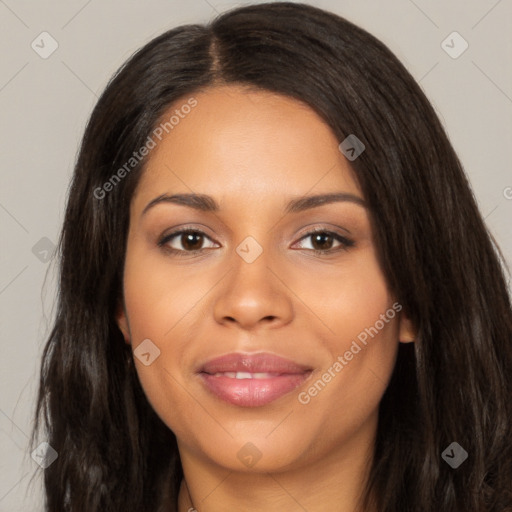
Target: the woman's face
(258, 352)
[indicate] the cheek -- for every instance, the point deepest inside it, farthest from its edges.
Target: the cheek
(366, 327)
(360, 347)
(161, 304)
(347, 300)
(166, 393)
(158, 296)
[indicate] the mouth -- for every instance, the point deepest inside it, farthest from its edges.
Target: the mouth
(252, 380)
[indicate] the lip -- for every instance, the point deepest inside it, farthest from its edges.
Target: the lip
(283, 376)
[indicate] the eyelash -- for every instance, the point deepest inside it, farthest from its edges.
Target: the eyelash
(346, 243)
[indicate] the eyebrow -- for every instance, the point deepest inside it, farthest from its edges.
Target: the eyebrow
(205, 203)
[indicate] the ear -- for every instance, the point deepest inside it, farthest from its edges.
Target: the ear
(407, 332)
(122, 321)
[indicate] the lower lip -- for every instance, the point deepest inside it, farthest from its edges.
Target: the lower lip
(252, 392)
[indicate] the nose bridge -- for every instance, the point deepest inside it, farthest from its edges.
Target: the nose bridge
(252, 292)
(250, 264)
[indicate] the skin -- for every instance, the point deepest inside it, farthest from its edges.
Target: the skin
(253, 152)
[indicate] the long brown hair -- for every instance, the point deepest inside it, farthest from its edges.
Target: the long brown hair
(452, 385)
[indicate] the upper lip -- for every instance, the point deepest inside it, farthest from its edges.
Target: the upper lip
(253, 363)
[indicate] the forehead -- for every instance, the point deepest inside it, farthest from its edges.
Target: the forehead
(243, 143)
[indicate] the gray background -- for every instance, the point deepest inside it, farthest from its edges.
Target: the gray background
(45, 104)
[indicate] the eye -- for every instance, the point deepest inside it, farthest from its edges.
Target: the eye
(190, 242)
(323, 240)
(186, 240)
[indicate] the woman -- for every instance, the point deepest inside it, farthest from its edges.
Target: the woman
(338, 336)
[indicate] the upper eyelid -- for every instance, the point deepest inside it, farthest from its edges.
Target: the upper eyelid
(164, 239)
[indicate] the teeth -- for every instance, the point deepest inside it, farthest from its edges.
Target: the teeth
(245, 375)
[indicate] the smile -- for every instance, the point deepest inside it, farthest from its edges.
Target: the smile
(252, 380)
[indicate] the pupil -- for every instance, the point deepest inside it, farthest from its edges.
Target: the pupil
(322, 238)
(189, 240)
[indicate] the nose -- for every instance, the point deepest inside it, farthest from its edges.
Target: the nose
(253, 295)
